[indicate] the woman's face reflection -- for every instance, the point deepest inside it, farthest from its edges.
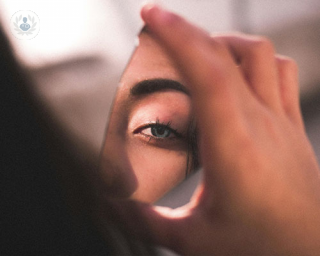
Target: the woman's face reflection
(149, 145)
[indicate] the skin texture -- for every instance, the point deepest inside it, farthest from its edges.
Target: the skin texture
(135, 164)
(260, 194)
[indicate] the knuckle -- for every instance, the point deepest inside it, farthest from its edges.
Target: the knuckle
(262, 46)
(217, 44)
(287, 64)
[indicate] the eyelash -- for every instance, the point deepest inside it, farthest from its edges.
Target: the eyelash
(157, 124)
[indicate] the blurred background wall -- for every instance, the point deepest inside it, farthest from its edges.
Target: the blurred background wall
(76, 60)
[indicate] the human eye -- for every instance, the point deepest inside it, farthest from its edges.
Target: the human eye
(158, 131)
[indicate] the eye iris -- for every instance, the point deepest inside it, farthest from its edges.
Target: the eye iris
(159, 131)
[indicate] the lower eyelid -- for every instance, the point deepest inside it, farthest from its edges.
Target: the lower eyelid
(171, 136)
(158, 138)
(156, 141)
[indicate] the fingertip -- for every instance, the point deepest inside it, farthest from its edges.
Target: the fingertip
(146, 9)
(153, 15)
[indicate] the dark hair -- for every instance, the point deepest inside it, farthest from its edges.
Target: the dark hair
(47, 197)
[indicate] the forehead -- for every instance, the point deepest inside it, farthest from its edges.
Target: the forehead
(149, 61)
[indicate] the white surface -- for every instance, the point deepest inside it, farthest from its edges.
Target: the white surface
(70, 28)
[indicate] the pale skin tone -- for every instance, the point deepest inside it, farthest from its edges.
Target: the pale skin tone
(137, 162)
(260, 194)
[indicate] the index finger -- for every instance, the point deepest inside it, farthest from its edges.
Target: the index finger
(218, 90)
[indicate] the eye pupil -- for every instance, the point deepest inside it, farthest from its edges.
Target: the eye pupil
(160, 131)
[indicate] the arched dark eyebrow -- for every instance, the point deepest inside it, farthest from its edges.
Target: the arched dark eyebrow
(155, 85)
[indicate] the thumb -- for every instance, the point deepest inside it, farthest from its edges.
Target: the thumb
(152, 224)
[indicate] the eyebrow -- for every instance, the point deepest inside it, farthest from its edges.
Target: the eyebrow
(156, 85)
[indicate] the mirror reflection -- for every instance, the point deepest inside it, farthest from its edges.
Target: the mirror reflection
(151, 143)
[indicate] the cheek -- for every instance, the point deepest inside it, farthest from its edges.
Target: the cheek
(157, 171)
(115, 168)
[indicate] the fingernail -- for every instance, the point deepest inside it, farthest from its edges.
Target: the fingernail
(154, 13)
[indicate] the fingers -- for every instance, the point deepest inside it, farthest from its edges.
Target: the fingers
(185, 230)
(218, 90)
(273, 80)
(154, 225)
(198, 57)
(209, 66)
(289, 89)
(258, 64)
(222, 93)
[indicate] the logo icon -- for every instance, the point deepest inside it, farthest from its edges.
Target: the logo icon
(25, 25)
